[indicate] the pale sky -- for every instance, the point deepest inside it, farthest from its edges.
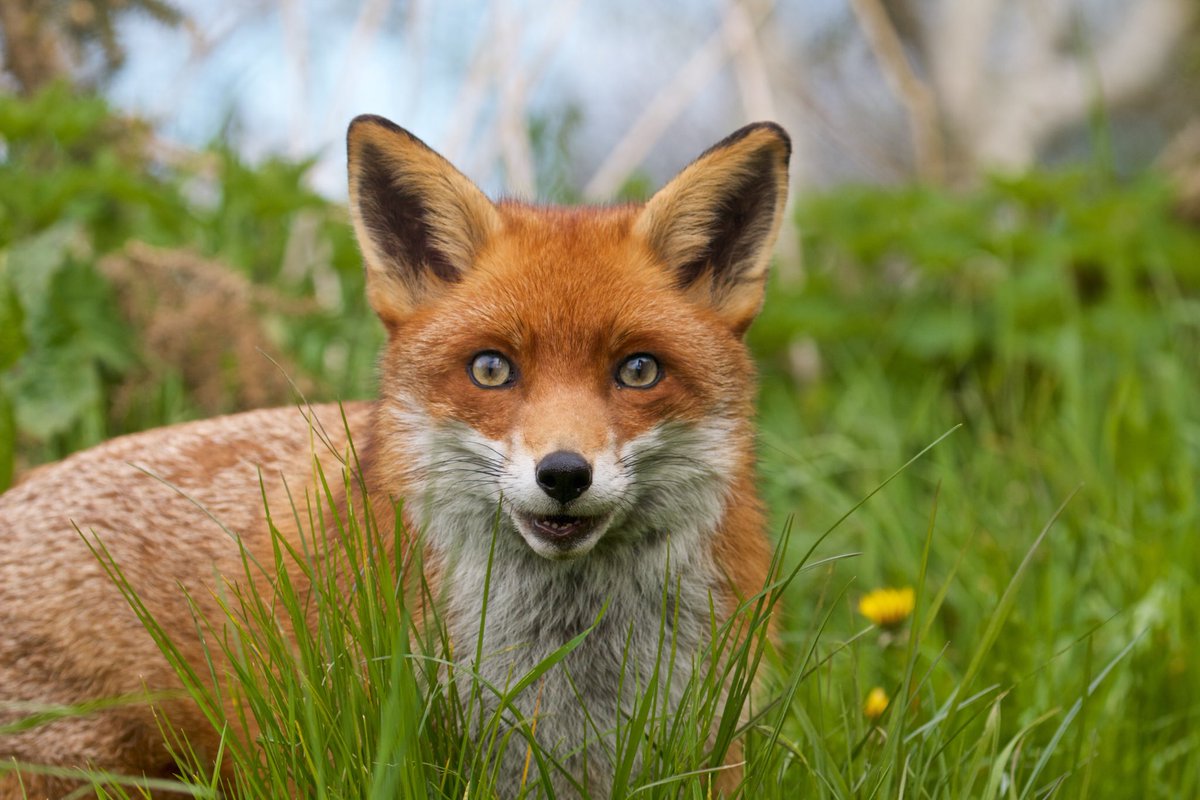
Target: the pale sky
(294, 72)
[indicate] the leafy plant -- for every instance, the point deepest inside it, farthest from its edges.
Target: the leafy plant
(80, 359)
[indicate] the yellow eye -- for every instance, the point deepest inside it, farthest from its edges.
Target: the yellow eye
(490, 370)
(639, 371)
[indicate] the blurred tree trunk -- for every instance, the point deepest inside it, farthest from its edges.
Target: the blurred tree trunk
(33, 52)
(1009, 76)
(48, 40)
(1181, 161)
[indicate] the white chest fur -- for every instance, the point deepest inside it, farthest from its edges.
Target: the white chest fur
(650, 608)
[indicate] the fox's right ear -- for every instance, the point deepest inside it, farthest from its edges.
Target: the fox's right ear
(420, 222)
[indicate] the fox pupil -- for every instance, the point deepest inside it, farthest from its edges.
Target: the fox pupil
(639, 372)
(490, 370)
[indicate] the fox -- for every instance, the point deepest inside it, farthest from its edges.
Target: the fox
(565, 412)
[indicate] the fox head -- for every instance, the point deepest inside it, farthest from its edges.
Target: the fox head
(578, 373)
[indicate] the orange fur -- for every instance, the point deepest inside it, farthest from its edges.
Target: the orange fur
(567, 293)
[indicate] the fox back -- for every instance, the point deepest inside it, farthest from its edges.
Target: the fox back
(565, 412)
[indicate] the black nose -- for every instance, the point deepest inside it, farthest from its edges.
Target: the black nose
(564, 475)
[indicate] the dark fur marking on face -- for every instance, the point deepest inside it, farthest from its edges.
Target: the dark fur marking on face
(397, 218)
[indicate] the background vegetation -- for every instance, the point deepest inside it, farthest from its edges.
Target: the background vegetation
(1048, 320)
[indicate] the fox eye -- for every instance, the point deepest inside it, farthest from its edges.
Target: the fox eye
(490, 370)
(639, 371)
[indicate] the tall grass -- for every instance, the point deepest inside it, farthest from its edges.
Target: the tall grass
(333, 657)
(331, 674)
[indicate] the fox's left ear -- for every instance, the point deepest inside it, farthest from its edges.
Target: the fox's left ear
(714, 224)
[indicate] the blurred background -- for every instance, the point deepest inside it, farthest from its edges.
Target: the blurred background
(873, 90)
(993, 225)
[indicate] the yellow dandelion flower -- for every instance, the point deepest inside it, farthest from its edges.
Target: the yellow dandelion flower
(887, 608)
(876, 703)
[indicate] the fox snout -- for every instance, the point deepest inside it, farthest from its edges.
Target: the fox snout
(564, 475)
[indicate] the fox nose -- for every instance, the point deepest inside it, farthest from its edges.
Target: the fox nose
(564, 475)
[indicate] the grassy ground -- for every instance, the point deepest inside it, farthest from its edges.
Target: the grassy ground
(1058, 327)
(1047, 327)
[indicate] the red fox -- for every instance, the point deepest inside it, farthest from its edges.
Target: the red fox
(575, 376)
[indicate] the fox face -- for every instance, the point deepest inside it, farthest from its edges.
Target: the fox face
(575, 387)
(581, 370)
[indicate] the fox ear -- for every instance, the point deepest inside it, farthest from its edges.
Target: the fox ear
(714, 224)
(420, 222)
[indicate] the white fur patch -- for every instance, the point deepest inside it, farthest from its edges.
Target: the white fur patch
(663, 495)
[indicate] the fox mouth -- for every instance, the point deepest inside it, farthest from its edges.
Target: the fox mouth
(561, 531)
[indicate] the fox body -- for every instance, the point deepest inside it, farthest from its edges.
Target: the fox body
(565, 395)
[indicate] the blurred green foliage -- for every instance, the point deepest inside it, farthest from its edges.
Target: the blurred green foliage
(1050, 301)
(77, 184)
(1013, 276)
(1056, 302)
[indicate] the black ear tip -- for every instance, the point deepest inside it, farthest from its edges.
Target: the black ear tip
(364, 122)
(771, 129)
(375, 120)
(776, 129)
(386, 133)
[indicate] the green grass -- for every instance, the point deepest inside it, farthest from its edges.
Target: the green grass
(365, 705)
